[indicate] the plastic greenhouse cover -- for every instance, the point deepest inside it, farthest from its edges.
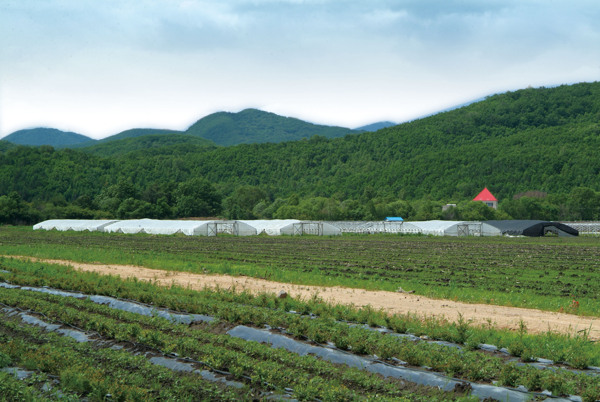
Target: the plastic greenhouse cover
(155, 226)
(73, 224)
(409, 374)
(272, 227)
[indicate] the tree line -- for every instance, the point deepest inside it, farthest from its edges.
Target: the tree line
(199, 198)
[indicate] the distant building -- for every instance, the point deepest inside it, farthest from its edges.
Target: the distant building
(487, 198)
(447, 207)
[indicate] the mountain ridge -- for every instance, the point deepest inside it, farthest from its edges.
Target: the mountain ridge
(543, 139)
(222, 128)
(256, 126)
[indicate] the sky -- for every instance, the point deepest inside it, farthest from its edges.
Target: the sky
(101, 67)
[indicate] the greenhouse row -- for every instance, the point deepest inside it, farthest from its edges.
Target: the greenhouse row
(461, 228)
(193, 227)
(277, 227)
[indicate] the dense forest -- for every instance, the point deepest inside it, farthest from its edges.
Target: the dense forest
(535, 149)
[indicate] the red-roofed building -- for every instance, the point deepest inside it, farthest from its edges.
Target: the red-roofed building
(487, 198)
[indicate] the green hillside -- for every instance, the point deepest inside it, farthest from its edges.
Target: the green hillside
(543, 139)
(5, 145)
(47, 136)
(145, 142)
(139, 132)
(255, 126)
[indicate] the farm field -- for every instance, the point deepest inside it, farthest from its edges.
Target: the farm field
(119, 357)
(544, 273)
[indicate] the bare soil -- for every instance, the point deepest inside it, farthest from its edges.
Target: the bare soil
(537, 321)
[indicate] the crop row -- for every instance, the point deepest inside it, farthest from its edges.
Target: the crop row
(309, 378)
(542, 273)
(244, 308)
(76, 370)
(168, 337)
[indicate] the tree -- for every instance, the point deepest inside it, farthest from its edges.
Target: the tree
(197, 197)
(241, 203)
(15, 211)
(584, 204)
(475, 211)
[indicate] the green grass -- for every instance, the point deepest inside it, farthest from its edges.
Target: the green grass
(543, 273)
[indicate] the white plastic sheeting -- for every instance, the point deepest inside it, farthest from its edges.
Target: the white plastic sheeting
(456, 228)
(190, 228)
(152, 226)
(277, 227)
(73, 224)
(311, 228)
(371, 227)
(272, 227)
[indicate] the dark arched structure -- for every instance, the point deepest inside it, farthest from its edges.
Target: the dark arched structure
(533, 228)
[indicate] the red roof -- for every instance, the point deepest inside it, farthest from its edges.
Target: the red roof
(485, 195)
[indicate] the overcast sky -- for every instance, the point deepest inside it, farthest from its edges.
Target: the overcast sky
(100, 67)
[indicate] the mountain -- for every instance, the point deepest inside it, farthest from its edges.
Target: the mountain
(543, 139)
(255, 126)
(145, 143)
(376, 126)
(47, 136)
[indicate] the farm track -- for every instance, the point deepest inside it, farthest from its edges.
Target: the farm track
(537, 321)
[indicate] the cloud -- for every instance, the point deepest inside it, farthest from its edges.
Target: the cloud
(312, 58)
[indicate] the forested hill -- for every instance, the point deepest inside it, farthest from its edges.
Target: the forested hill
(138, 132)
(255, 126)
(543, 139)
(145, 142)
(47, 136)
(535, 139)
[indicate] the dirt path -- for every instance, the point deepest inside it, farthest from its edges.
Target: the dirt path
(537, 321)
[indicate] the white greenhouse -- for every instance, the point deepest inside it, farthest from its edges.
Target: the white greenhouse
(78, 225)
(190, 228)
(277, 227)
(372, 227)
(456, 228)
